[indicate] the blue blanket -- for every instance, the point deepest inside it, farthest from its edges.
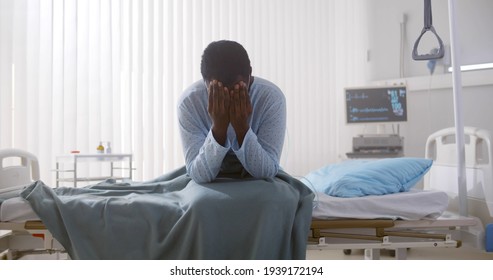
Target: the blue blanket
(175, 218)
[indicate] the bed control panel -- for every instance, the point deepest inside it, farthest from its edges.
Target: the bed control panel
(377, 146)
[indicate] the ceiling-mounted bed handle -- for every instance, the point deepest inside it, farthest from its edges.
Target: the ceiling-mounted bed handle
(428, 26)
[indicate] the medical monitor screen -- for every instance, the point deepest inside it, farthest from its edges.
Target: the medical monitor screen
(374, 105)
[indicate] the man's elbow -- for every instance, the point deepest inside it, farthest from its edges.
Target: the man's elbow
(199, 177)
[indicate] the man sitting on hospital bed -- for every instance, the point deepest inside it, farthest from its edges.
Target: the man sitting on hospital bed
(231, 121)
(234, 203)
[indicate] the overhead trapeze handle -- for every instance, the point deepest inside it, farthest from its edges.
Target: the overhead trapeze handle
(428, 26)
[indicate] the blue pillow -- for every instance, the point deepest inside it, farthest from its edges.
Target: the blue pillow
(354, 178)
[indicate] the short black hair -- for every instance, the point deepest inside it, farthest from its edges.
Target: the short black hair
(225, 60)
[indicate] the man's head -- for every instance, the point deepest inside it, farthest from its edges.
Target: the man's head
(227, 62)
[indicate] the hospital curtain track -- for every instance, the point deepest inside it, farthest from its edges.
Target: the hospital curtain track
(73, 72)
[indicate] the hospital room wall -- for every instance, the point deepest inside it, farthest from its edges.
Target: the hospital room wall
(430, 98)
(386, 17)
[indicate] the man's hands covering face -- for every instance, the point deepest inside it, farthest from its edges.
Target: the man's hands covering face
(229, 106)
(240, 107)
(219, 104)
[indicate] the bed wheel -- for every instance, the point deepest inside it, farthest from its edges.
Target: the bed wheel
(347, 251)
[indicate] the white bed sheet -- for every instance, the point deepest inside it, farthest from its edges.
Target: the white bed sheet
(413, 205)
(18, 210)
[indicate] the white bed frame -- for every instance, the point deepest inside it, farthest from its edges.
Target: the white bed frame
(377, 235)
(19, 168)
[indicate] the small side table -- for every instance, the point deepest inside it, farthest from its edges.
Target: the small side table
(75, 159)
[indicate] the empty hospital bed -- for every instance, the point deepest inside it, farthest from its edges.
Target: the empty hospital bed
(422, 220)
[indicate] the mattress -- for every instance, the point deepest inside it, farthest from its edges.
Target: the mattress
(17, 209)
(415, 204)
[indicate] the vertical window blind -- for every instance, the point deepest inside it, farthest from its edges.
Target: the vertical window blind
(77, 72)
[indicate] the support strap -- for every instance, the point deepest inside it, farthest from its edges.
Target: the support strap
(428, 26)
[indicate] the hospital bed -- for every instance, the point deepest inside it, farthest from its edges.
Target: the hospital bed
(423, 220)
(19, 168)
